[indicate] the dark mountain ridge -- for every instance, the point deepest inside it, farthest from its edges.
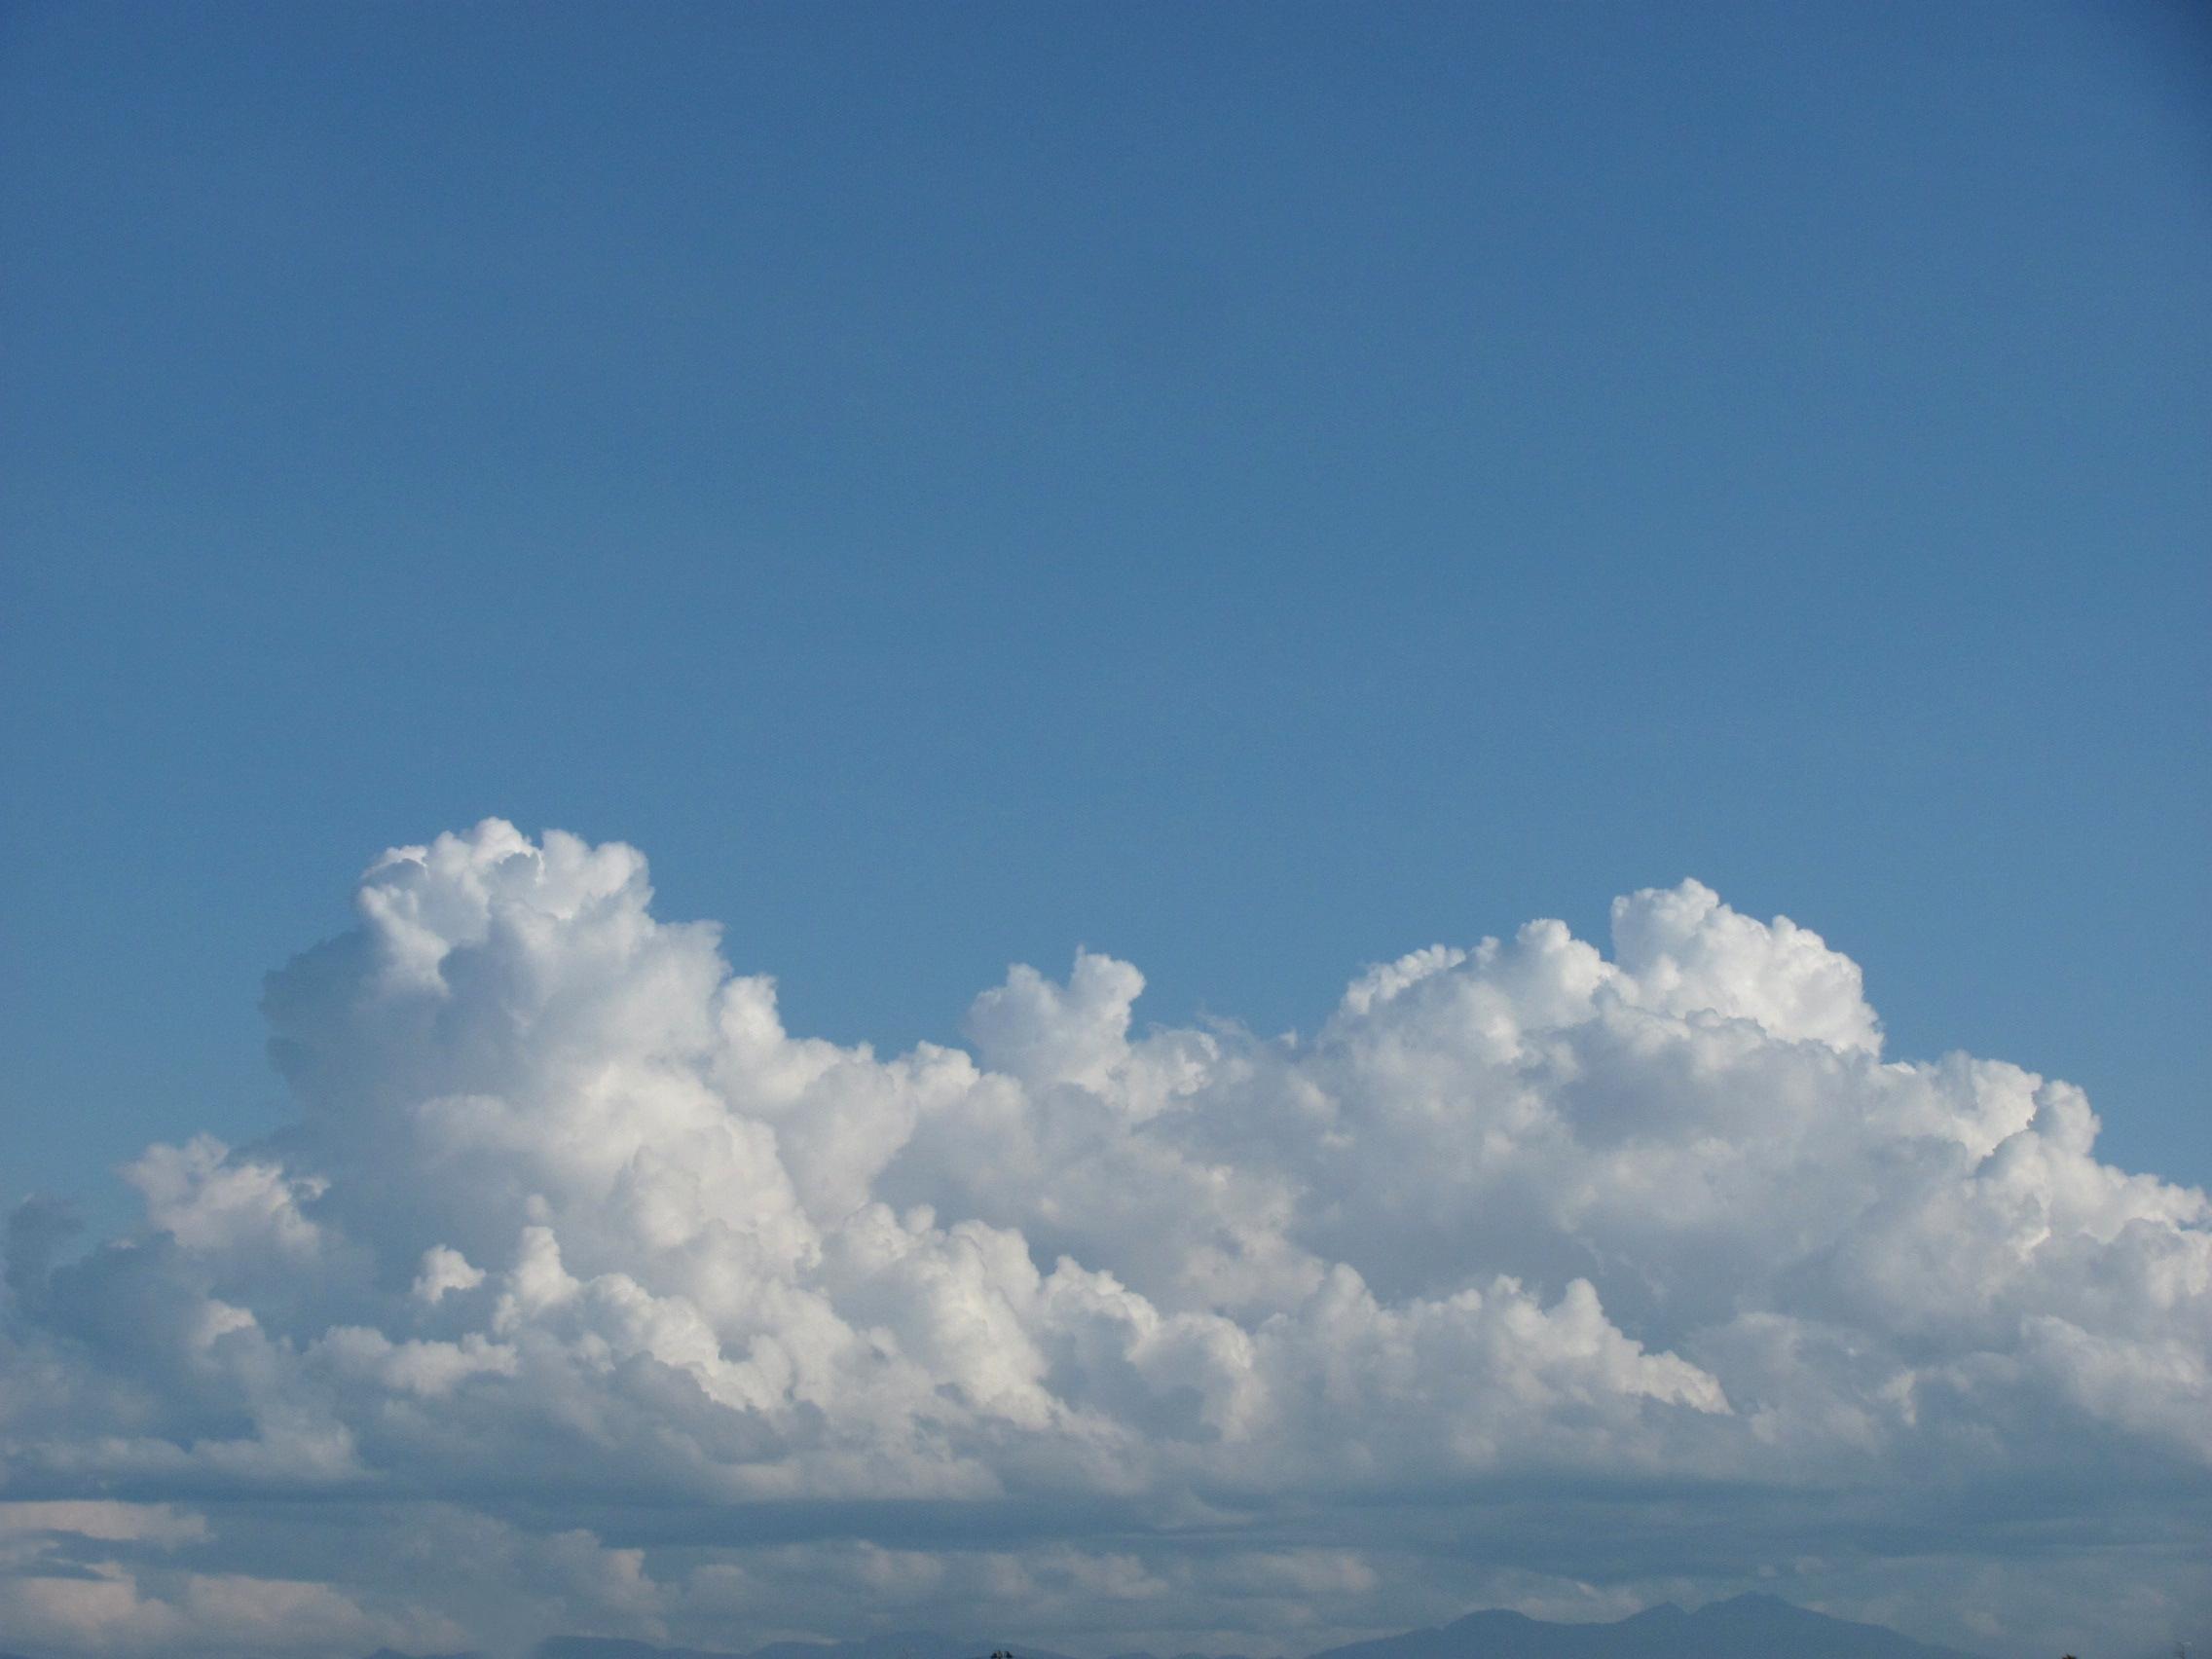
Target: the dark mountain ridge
(1743, 1627)
(1746, 1627)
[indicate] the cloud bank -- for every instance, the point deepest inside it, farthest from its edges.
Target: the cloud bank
(580, 1295)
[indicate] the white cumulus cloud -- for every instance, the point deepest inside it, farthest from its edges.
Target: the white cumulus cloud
(579, 1294)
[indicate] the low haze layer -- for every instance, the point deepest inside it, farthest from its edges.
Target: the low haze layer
(582, 1296)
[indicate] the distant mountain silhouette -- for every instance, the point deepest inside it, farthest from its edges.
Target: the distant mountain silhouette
(1747, 1627)
(903, 1644)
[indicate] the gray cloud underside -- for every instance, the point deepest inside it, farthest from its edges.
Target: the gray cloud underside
(580, 1295)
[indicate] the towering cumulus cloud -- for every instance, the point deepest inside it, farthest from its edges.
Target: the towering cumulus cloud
(580, 1295)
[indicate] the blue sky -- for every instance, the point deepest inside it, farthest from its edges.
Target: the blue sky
(1255, 493)
(1247, 491)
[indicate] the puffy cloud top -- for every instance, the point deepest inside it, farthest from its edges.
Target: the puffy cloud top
(571, 1238)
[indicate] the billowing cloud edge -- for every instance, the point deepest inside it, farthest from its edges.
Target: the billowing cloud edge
(1528, 1267)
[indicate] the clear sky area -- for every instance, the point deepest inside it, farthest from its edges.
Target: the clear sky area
(1250, 492)
(1254, 492)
